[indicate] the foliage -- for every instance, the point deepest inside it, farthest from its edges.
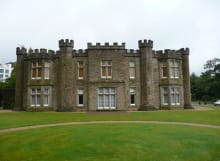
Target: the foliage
(206, 87)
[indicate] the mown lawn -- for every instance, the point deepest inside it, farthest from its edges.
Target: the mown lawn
(16, 119)
(112, 142)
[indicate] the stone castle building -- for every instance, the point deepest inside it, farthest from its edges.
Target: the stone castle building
(102, 77)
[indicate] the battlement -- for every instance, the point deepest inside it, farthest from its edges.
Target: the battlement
(132, 51)
(66, 43)
(80, 51)
(145, 43)
(41, 51)
(115, 45)
(21, 50)
(184, 51)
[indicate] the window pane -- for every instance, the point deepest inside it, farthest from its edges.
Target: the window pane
(132, 72)
(46, 99)
(34, 73)
(33, 100)
(80, 99)
(132, 99)
(131, 64)
(39, 72)
(164, 72)
(81, 72)
(38, 100)
(103, 71)
(46, 73)
(109, 71)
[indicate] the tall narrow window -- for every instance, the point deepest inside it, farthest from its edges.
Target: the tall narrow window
(164, 96)
(106, 69)
(106, 98)
(36, 70)
(46, 70)
(164, 70)
(80, 70)
(80, 97)
(132, 70)
(175, 95)
(174, 69)
(35, 97)
(132, 96)
(46, 96)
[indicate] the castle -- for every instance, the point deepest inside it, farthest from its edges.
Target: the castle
(102, 77)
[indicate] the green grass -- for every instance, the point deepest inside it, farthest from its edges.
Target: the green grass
(112, 142)
(16, 119)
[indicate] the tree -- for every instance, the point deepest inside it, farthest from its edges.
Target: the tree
(206, 87)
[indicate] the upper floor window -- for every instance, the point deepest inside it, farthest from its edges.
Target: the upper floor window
(1, 70)
(46, 70)
(80, 70)
(164, 70)
(36, 71)
(132, 70)
(106, 69)
(174, 69)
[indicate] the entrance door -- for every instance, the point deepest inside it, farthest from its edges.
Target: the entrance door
(106, 98)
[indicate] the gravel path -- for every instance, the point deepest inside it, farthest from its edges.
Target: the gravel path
(109, 122)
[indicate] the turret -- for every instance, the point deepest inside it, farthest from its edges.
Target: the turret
(20, 52)
(65, 75)
(186, 79)
(64, 44)
(145, 47)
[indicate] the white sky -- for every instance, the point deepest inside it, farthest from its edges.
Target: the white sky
(171, 24)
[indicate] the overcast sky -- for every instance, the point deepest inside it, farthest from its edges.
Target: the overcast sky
(171, 24)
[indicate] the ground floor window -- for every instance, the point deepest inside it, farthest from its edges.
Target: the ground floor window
(39, 96)
(175, 95)
(170, 95)
(35, 97)
(106, 98)
(80, 97)
(132, 96)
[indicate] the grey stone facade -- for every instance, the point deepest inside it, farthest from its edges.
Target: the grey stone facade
(102, 77)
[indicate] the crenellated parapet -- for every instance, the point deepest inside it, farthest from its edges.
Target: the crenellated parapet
(66, 43)
(80, 51)
(21, 50)
(169, 54)
(41, 54)
(184, 51)
(115, 45)
(132, 51)
(145, 43)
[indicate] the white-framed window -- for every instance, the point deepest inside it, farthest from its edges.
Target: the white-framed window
(35, 96)
(36, 71)
(174, 69)
(106, 69)
(47, 70)
(80, 93)
(46, 96)
(164, 95)
(80, 70)
(132, 92)
(106, 98)
(132, 70)
(164, 70)
(175, 95)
